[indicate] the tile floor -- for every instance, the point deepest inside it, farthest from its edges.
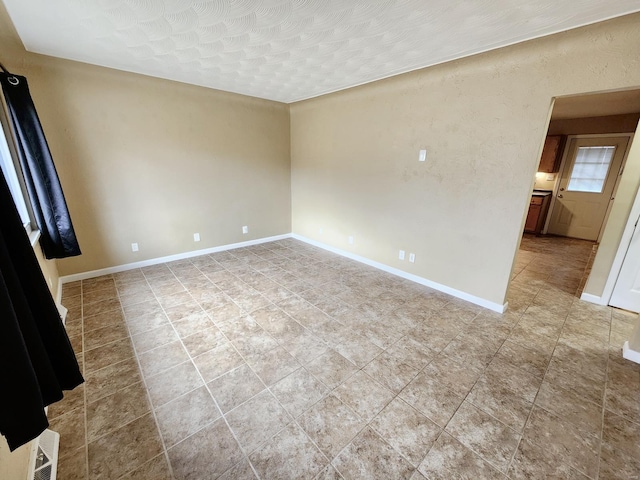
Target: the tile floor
(284, 361)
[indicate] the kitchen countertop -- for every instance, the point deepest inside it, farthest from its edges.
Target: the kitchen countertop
(541, 193)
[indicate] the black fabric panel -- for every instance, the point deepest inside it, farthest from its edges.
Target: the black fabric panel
(36, 358)
(58, 238)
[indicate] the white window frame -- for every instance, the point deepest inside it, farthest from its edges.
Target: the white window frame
(13, 176)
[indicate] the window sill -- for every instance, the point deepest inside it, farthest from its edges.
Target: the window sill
(34, 236)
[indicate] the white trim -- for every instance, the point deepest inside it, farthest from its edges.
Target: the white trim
(34, 236)
(587, 297)
(496, 307)
(630, 354)
(170, 258)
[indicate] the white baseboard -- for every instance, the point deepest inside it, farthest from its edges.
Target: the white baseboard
(496, 307)
(170, 258)
(630, 354)
(587, 297)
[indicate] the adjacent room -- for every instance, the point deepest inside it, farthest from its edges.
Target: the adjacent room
(323, 240)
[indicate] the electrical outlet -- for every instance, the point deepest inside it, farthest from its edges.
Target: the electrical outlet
(196, 237)
(412, 257)
(245, 229)
(350, 239)
(134, 247)
(401, 255)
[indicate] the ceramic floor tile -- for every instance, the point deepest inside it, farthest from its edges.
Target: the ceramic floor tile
(331, 368)
(365, 396)
(480, 432)
(431, 398)
(124, 449)
(458, 378)
(112, 378)
(104, 335)
(405, 429)
(162, 358)
(500, 402)
(155, 469)
(533, 461)
(101, 320)
(448, 458)
(206, 454)
(71, 428)
(72, 400)
(289, 454)
(235, 387)
(186, 415)
(102, 306)
(203, 341)
(358, 311)
(392, 372)
(578, 449)
(368, 456)
(173, 383)
(306, 348)
(109, 354)
(257, 420)
(154, 338)
(331, 425)
(531, 360)
(411, 352)
(218, 361)
(298, 391)
(241, 471)
(567, 405)
(272, 365)
(73, 466)
(623, 390)
(110, 413)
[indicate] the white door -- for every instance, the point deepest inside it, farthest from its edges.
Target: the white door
(626, 293)
(587, 182)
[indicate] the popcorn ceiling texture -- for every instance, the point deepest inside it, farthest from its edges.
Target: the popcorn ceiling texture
(288, 50)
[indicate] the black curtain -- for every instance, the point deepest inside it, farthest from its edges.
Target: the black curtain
(37, 361)
(57, 238)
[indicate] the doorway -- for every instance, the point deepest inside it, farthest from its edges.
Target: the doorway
(588, 178)
(609, 119)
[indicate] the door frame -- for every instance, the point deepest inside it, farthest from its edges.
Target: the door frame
(621, 253)
(565, 154)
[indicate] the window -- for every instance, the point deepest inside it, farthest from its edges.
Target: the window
(590, 169)
(13, 180)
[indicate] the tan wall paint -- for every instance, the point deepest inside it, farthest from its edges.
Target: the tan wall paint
(617, 221)
(482, 119)
(153, 161)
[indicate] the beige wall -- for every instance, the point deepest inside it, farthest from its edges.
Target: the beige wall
(482, 120)
(153, 161)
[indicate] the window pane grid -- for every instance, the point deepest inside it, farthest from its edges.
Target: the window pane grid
(590, 169)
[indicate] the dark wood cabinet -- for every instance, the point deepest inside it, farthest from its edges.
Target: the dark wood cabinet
(551, 154)
(537, 214)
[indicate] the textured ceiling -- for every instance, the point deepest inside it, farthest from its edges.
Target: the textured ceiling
(288, 50)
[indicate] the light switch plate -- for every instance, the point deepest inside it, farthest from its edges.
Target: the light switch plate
(423, 156)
